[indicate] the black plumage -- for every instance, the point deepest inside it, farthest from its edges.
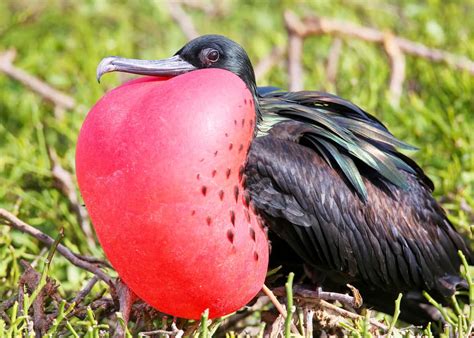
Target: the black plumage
(328, 179)
(397, 240)
(336, 194)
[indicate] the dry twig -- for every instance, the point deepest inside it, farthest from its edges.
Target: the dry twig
(395, 47)
(397, 65)
(318, 26)
(50, 94)
(301, 291)
(214, 8)
(295, 69)
(5, 305)
(333, 61)
(18, 224)
(86, 290)
(277, 326)
(182, 19)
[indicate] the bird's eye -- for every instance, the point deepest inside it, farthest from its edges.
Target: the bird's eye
(209, 56)
(212, 55)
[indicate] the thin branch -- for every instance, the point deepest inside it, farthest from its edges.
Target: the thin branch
(182, 19)
(268, 62)
(318, 294)
(333, 61)
(86, 290)
(397, 66)
(325, 295)
(295, 69)
(50, 94)
(93, 260)
(6, 305)
(276, 328)
(214, 8)
(269, 293)
(319, 25)
(18, 224)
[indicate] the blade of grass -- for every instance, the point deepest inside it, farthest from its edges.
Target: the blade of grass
(14, 326)
(301, 322)
(289, 304)
(427, 332)
(365, 325)
(203, 332)
(62, 313)
(470, 283)
(440, 308)
(71, 329)
(348, 327)
(460, 327)
(459, 312)
(3, 328)
(395, 315)
(123, 324)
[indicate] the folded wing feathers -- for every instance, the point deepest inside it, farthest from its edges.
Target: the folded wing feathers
(342, 133)
(348, 167)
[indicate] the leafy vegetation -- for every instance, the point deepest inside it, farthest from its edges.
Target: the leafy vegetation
(62, 41)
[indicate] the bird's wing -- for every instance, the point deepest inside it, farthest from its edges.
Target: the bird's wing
(396, 238)
(345, 135)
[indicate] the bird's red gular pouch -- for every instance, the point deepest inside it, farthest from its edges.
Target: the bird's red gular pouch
(158, 167)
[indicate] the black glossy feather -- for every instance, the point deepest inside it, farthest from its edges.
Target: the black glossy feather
(344, 134)
(396, 240)
(368, 217)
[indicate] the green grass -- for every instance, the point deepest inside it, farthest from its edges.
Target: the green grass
(61, 42)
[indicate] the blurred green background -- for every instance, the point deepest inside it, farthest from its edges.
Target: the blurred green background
(61, 43)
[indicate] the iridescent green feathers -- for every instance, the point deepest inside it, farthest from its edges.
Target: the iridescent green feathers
(343, 134)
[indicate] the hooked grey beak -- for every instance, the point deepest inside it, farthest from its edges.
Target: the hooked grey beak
(170, 67)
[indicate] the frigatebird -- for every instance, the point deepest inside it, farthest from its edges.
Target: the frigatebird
(329, 182)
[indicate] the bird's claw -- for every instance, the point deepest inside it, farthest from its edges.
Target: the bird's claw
(312, 295)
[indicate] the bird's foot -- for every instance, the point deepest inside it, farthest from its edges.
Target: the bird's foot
(174, 332)
(308, 294)
(126, 298)
(354, 301)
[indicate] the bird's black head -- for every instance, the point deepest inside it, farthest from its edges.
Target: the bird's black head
(207, 51)
(217, 51)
